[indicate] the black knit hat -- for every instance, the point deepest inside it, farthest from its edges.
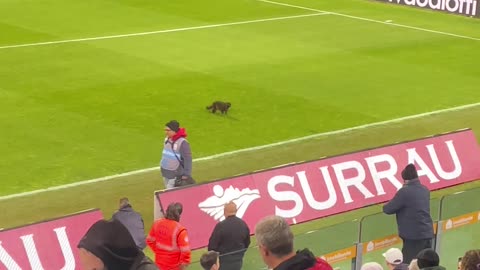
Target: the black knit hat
(173, 125)
(428, 258)
(410, 172)
(112, 243)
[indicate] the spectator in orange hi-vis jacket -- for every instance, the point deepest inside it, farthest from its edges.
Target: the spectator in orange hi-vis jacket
(168, 239)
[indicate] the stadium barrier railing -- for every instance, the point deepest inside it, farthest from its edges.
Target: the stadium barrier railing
(349, 245)
(459, 226)
(260, 190)
(336, 244)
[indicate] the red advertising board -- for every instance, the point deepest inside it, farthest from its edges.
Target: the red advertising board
(328, 186)
(46, 245)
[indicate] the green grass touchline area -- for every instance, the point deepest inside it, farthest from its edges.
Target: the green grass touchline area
(139, 188)
(78, 111)
(91, 108)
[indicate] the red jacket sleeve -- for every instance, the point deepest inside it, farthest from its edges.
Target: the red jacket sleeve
(184, 246)
(151, 240)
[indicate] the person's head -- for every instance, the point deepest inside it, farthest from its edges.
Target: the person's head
(230, 209)
(210, 260)
(174, 211)
(107, 245)
(124, 202)
(275, 240)
(413, 265)
(171, 128)
(409, 173)
(427, 258)
(471, 260)
(393, 257)
(371, 266)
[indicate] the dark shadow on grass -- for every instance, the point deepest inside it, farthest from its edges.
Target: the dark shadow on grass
(225, 116)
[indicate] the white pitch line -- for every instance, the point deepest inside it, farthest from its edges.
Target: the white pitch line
(335, 132)
(161, 31)
(372, 20)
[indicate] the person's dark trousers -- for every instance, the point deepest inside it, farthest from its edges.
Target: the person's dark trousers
(411, 248)
(231, 262)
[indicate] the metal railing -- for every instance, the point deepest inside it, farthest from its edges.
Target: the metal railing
(348, 245)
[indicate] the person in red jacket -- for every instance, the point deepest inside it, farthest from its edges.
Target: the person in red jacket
(275, 243)
(168, 239)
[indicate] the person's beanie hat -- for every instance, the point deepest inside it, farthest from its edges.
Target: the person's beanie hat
(410, 172)
(173, 125)
(112, 243)
(427, 258)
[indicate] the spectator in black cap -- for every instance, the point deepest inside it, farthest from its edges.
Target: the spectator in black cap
(411, 205)
(108, 245)
(428, 259)
(177, 155)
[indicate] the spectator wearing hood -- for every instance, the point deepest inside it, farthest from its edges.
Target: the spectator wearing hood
(177, 155)
(428, 259)
(108, 245)
(275, 244)
(411, 205)
(394, 259)
(133, 221)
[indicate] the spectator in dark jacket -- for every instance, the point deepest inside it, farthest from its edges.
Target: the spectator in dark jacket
(109, 245)
(428, 259)
(275, 243)
(133, 221)
(411, 204)
(394, 259)
(231, 238)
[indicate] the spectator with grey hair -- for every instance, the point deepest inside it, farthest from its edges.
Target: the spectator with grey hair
(275, 244)
(371, 266)
(133, 221)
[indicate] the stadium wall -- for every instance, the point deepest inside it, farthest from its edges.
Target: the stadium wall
(50, 244)
(315, 189)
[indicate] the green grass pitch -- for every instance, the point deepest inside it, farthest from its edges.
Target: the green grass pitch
(81, 110)
(89, 108)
